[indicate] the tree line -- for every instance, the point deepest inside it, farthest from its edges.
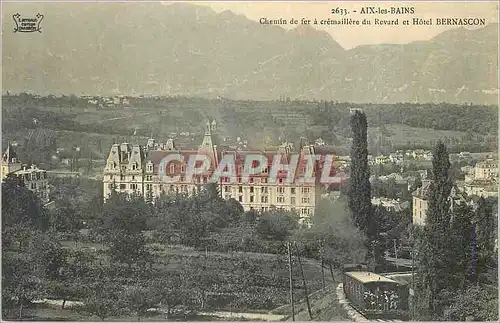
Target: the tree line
(455, 252)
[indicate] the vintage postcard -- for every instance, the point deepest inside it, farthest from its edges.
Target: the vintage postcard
(250, 161)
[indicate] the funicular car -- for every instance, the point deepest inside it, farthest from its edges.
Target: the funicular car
(375, 296)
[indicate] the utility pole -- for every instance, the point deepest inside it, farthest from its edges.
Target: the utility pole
(322, 264)
(413, 284)
(304, 282)
(291, 280)
(331, 272)
(396, 254)
(412, 294)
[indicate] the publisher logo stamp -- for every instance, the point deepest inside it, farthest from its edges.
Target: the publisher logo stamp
(27, 24)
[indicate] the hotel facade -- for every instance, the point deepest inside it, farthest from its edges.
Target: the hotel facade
(136, 169)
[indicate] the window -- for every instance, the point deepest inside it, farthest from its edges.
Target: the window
(280, 180)
(149, 187)
(280, 199)
(122, 177)
(251, 198)
(264, 199)
(226, 189)
(264, 180)
(172, 168)
(281, 190)
(149, 178)
(240, 189)
(182, 168)
(133, 186)
(239, 179)
(33, 186)
(133, 178)
(292, 200)
(263, 190)
(134, 166)
(292, 190)
(149, 167)
(240, 198)
(204, 179)
(123, 186)
(305, 200)
(305, 190)
(251, 179)
(251, 189)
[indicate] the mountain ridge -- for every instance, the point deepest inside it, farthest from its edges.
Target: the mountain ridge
(183, 49)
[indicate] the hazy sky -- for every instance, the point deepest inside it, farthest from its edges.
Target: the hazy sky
(351, 36)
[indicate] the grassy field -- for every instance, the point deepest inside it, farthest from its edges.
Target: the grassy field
(400, 134)
(265, 276)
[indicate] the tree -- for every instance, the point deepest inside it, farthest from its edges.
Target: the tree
(127, 248)
(138, 299)
(22, 281)
(359, 183)
(65, 217)
(276, 225)
(444, 249)
(485, 225)
(103, 300)
(22, 212)
(477, 303)
(199, 278)
(334, 234)
(29, 256)
(169, 291)
(123, 221)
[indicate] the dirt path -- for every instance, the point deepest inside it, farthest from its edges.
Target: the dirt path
(250, 316)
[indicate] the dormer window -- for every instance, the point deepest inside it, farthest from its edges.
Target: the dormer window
(149, 167)
(134, 166)
(14, 160)
(172, 168)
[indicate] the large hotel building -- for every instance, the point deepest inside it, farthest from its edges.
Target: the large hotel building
(133, 168)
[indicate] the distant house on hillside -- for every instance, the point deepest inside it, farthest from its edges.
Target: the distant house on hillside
(381, 160)
(420, 201)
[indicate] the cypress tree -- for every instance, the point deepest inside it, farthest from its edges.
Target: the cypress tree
(486, 227)
(445, 251)
(359, 183)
